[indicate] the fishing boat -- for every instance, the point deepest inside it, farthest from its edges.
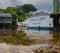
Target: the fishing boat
(41, 20)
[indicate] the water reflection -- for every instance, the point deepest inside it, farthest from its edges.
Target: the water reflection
(45, 36)
(42, 34)
(20, 36)
(6, 32)
(56, 37)
(14, 36)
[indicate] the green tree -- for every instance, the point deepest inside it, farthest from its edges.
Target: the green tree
(28, 8)
(20, 12)
(22, 15)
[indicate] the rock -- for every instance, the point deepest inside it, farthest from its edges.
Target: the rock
(41, 51)
(38, 51)
(52, 52)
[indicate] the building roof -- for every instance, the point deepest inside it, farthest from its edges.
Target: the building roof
(5, 15)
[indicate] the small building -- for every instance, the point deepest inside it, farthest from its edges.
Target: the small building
(5, 19)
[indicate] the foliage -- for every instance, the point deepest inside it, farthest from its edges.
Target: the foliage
(20, 12)
(28, 8)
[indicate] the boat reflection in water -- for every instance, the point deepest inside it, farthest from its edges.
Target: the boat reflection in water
(41, 37)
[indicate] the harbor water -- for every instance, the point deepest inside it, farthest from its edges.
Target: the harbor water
(26, 41)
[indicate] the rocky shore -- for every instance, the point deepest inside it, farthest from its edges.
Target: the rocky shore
(51, 49)
(38, 48)
(41, 49)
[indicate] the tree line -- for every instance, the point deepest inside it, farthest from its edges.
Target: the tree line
(20, 12)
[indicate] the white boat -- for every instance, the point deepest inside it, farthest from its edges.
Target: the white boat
(21, 26)
(43, 21)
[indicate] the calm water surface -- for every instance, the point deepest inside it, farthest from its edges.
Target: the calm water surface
(7, 38)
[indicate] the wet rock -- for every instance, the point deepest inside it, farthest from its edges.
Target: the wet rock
(35, 51)
(52, 52)
(38, 51)
(41, 51)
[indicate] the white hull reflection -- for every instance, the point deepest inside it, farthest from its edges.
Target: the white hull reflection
(40, 35)
(21, 26)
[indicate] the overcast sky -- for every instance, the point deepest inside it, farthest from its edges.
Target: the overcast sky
(45, 5)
